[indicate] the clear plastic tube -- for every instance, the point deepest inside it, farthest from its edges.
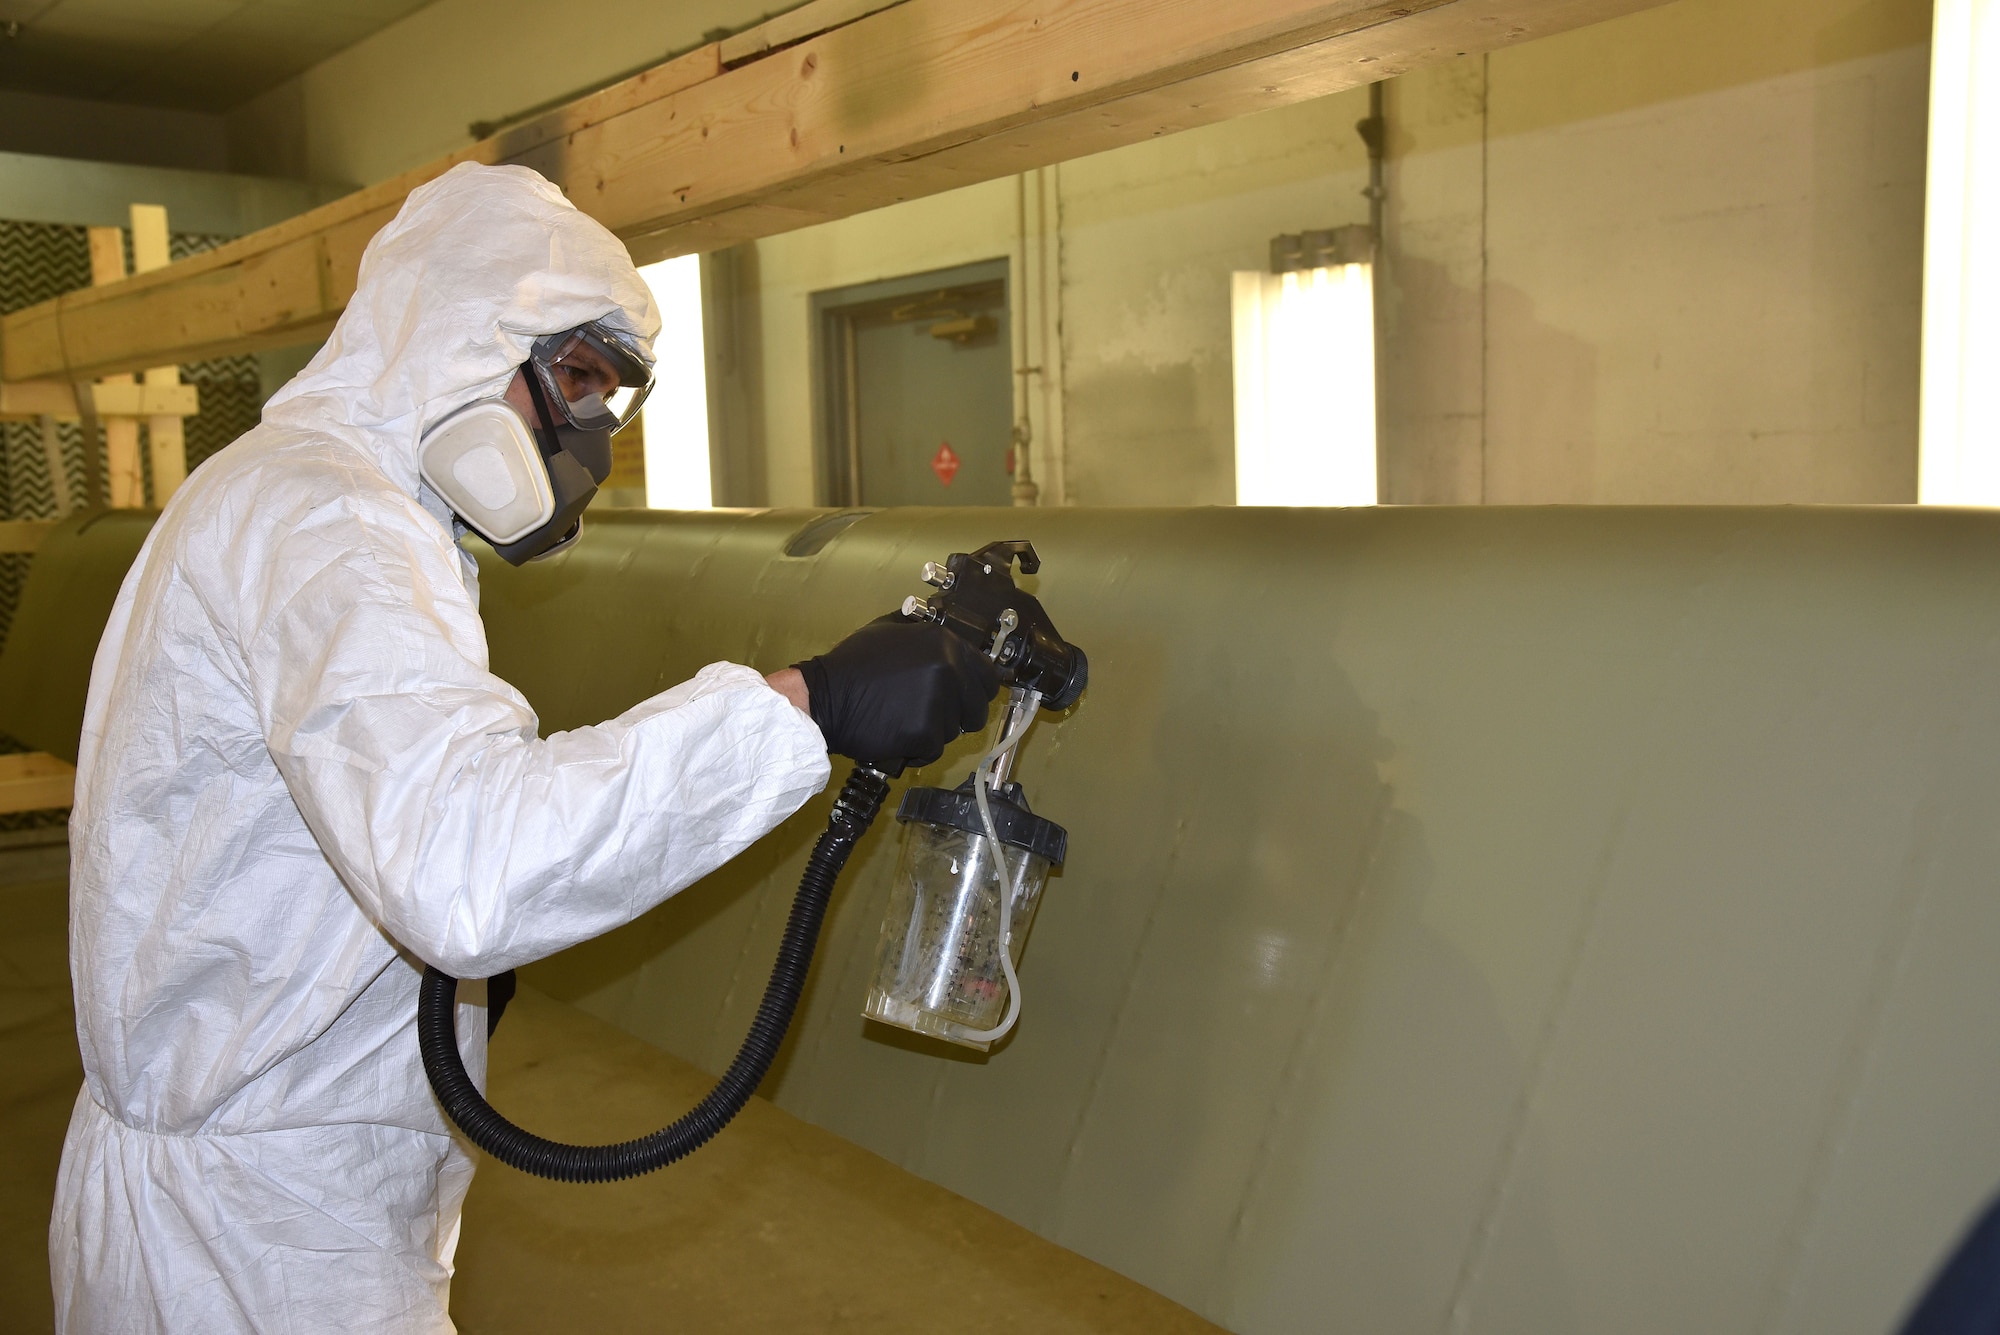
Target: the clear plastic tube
(1021, 716)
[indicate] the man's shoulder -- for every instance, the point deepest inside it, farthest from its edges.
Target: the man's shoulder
(278, 509)
(277, 475)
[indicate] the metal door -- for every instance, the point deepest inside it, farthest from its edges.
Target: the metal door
(917, 390)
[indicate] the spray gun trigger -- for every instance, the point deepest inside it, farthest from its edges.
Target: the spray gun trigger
(1009, 619)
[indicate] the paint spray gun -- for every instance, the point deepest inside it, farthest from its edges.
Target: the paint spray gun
(973, 866)
(975, 857)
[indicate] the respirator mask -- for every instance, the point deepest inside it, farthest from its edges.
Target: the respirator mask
(522, 485)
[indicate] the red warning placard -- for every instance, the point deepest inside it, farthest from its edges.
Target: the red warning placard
(945, 463)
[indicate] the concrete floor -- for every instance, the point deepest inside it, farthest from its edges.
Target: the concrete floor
(776, 1226)
(38, 1053)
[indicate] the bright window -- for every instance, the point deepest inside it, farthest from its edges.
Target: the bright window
(1305, 386)
(676, 415)
(1959, 458)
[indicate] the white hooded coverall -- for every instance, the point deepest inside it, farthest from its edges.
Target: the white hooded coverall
(298, 782)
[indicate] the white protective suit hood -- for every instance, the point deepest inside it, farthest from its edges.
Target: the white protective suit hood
(298, 782)
(476, 266)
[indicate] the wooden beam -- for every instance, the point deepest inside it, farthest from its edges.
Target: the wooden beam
(793, 27)
(35, 781)
(905, 101)
(166, 435)
(145, 400)
(121, 434)
(37, 398)
(19, 536)
(30, 399)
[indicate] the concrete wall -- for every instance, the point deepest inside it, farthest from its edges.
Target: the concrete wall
(1671, 258)
(1674, 258)
(100, 194)
(961, 227)
(75, 127)
(407, 94)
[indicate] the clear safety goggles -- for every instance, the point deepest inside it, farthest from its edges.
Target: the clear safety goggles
(595, 376)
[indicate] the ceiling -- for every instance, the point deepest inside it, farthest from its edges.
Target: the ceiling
(197, 55)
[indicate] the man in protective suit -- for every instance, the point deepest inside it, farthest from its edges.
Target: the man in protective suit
(299, 783)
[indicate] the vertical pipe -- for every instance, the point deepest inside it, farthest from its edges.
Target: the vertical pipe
(1055, 361)
(1024, 489)
(850, 359)
(1374, 132)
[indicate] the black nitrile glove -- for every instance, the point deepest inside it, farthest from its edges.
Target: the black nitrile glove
(898, 691)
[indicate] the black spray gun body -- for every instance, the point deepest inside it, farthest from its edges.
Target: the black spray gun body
(978, 599)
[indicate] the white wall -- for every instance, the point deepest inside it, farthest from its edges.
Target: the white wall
(961, 227)
(34, 188)
(49, 125)
(1676, 258)
(1151, 234)
(407, 94)
(1148, 237)
(1671, 258)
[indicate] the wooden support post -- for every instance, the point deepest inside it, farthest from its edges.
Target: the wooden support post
(121, 434)
(166, 437)
(30, 400)
(27, 400)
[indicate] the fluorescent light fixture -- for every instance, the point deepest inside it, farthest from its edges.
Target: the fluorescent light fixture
(676, 413)
(1305, 386)
(1959, 450)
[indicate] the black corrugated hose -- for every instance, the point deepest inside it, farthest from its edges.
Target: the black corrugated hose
(853, 811)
